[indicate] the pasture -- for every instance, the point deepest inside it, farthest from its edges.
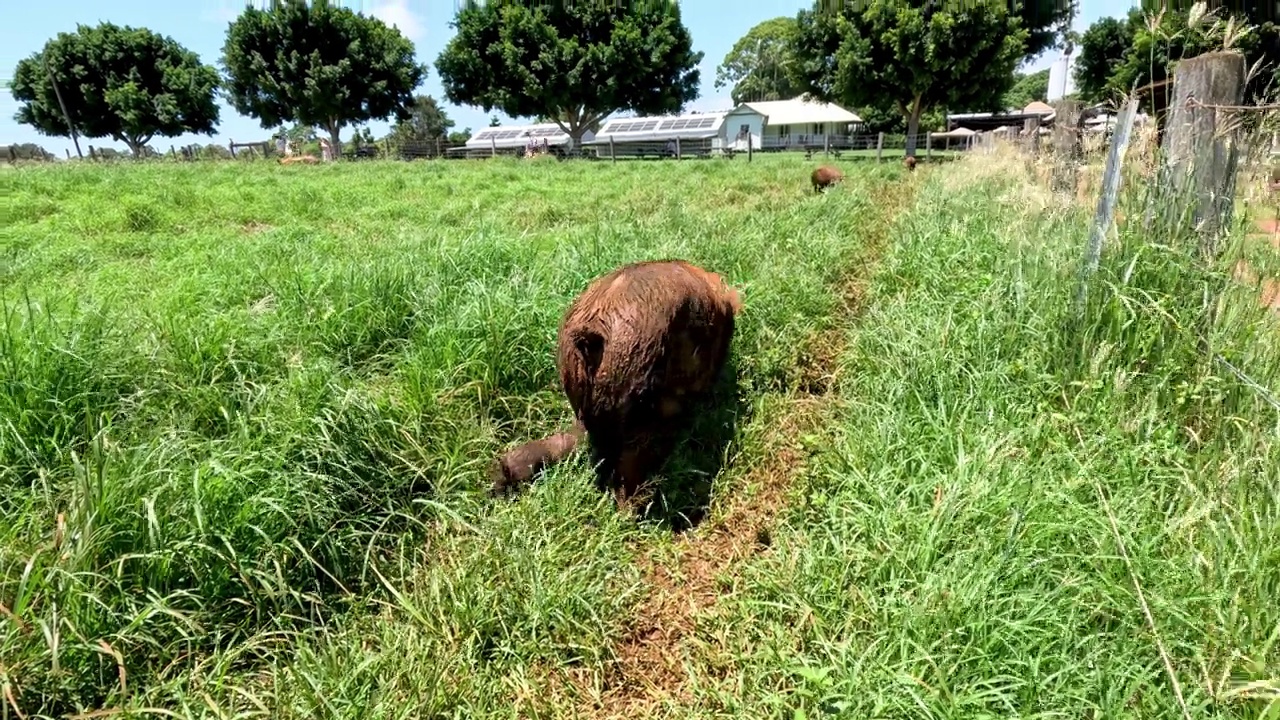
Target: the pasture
(246, 412)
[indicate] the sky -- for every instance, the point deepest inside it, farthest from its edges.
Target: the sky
(201, 26)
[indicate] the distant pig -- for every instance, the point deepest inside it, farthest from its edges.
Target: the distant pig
(910, 162)
(637, 350)
(824, 177)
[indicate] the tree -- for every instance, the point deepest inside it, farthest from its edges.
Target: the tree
(574, 62)
(124, 83)
(460, 138)
(427, 123)
(1102, 50)
(314, 63)
(959, 55)
(494, 121)
(1027, 89)
(1046, 22)
(759, 66)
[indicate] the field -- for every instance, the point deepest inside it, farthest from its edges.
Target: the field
(246, 412)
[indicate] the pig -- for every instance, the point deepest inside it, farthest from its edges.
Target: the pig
(637, 351)
(910, 162)
(824, 177)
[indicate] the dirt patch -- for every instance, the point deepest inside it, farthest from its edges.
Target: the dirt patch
(253, 227)
(687, 579)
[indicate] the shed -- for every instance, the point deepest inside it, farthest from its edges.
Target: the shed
(514, 138)
(695, 133)
(803, 122)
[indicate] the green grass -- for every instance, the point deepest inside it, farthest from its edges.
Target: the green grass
(245, 412)
(245, 406)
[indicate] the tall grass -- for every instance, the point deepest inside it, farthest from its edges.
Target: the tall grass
(995, 492)
(245, 412)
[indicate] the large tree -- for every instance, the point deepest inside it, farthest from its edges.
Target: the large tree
(316, 63)
(427, 123)
(958, 55)
(573, 62)
(759, 66)
(120, 82)
(1102, 50)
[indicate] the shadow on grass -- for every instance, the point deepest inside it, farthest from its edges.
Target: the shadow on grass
(683, 485)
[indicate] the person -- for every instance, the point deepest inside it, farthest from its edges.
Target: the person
(326, 149)
(671, 148)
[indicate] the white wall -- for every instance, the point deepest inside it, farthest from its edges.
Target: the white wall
(1062, 81)
(729, 131)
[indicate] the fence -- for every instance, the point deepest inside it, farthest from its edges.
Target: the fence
(869, 146)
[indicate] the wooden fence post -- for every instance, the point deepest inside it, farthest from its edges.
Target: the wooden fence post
(751, 143)
(1201, 141)
(677, 148)
(231, 145)
(928, 146)
(880, 147)
(493, 146)
(1066, 144)
(613, 156)
(826, 146)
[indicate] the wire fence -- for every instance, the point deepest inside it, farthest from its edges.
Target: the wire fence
(876, 146)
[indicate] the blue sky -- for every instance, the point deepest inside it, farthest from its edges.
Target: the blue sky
(201, 25)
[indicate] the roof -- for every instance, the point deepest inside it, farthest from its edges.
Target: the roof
(664, 127)
(1038, 108)
(511, 136)
(800, 111)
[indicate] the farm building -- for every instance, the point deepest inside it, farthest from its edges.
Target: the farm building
(696, 134)
(513, 139)
(1019, 119)
(804, 124)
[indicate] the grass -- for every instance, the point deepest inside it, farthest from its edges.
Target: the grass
(246, 411)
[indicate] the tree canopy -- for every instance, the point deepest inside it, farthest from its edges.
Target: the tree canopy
(573, 62)
(918, 58)
(759, 66)
(1102, 50)
(120, 82)
(1117, 55)
(318, 64)
(1027, 89)
(427, 123)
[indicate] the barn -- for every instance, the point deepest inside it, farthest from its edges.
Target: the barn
(513, 139)
(691, 135)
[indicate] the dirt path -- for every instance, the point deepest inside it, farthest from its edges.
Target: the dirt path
(684, 580)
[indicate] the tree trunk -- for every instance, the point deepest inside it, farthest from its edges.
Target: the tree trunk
(913, 127)
(137, 146)
(334, 129)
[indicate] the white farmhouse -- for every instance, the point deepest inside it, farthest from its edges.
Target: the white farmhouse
(801, 123)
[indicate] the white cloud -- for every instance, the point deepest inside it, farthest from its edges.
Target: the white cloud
(398, 14)
(221, 11)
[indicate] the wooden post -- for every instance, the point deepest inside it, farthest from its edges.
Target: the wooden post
(1066, 144)
(612, 155)
(826, 146)
(493, 146)
(1200, 143)
(231, 145)
(68, 152)
(880, 147)
(750, 145)
(92, 154)
(928, 146)
(677, 148)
